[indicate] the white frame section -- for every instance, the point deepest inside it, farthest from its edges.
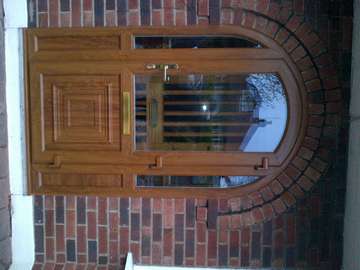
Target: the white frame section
(23, 247)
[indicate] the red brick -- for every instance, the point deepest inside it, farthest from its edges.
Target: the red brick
(272, 29)
(70, 223)
(290, 44)
(261, 24)
(236, 221)
(201, 213)
(305, 183)
(81, 239)
(60, 238)
(203, 7)
(333, 95)
(239, 14)
(102, 211)
(226, 16)
(134, 20)
(201, 232)
(313, 132)
(313, 85)
(309, 74)
(168, 242)
(285, 180)
(212, 244)
(49, 202)
(276, 187)
(257, 214)
(318, 49)
(268, 211)
(157, 17)
(168, 213)
(310, 39)
(256, 198)
(156, 253)
(226, 3)
(250, 20)
(135, 249)
(305, 63)
(102, 235)
(91, 203)
(113, 252)
(50, 249)
(245, 236)
(133, 4)
(168, 4)
(297, 191)
(323, 60)
(200, 254)
(282, 35)
(180, 19)
(87, 4)
(267, 193)
(49, 223)
(124, 241)
(169, 17)
(292, 172)
(312, 174)
(75, 13)
(113, 226)
(319, 165)
(43, 20)
(311, 143)
(179, 205)
(300, 163)
(54, 13)
(316, 108)
(263, 6)
(288, 199)
(294, 23)
(316, 120)
(91, 227)
(247, 219)
(224, 222)
(298, 53)
(274, 10)
(279, 206)
(201, 202)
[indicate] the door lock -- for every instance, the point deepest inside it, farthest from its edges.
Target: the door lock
(163, 67)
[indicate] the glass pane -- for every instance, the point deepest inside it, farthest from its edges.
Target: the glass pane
(244, 112)
(160, 42)
(194, 181)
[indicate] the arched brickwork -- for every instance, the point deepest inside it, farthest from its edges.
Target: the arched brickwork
(169, 228)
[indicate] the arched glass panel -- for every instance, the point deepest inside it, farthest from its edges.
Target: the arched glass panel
(244, 112)
(194, 181)
(177, 42)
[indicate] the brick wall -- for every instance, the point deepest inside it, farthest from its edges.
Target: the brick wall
(304, 227)
(5, 241)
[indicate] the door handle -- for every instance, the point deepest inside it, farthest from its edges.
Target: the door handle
(264, 164)
(163, 67)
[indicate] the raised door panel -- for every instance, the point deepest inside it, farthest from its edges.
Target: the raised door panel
(75, 116)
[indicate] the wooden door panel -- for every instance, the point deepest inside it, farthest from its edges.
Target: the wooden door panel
(75, 112)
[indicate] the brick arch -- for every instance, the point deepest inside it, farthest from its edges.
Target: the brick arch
(309, 54)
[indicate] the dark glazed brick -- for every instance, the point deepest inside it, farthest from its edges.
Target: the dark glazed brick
(189, 243)
(38, 209)
(42, 5)
(59, 206)
(267, 233)
(179, 254)
(156, 4)
(214, 11)
(146, 212)
(122, 8)
(157, 227)
(70, 250)
(212, 244)
(179, 227)
(234, 244)
(190, 213)
(255, 246)
(145, 245)
(212, 214)
(80, 210)
(223, 255)
(99, 12)
(124, 211)
(191, 12)
(145, 12)
(290, 257)
(39, 238)
(92, 251)
(135, 226)
(65, 5)
(110, 4)
(32, 8)
(266, 257)
(103, 260)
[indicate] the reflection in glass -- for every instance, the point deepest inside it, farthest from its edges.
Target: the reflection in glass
(244, 112)
(194, 181)
(166, 42)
